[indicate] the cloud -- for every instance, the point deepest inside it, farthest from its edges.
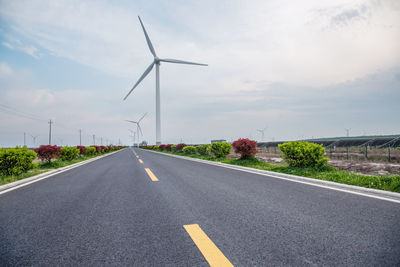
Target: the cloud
(15, 44)
(5, 70)
(264, 39)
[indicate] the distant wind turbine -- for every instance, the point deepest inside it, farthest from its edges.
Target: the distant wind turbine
(34, 139)
(262, 133)
(347, 131)
(139, 129)
(157, 62)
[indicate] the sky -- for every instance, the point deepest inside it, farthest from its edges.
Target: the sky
(298, 69)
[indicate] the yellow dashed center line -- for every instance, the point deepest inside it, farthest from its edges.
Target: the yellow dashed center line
(151, 175)
(141, 161)
(209, 250)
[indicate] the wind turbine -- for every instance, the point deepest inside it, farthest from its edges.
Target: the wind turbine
(262, 132)
(139, 129)
(347, 131)
(34, 139)
(157, 61)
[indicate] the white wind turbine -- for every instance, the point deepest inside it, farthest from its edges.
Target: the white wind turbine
(139, 129)
(262, 133)
(157, 62)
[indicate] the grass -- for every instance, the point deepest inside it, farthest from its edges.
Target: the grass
(328, 173)
(42, 167)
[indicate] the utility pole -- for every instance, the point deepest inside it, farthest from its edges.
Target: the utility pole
(94, 140)
(24, 138)
(50, 122)
(80, 137)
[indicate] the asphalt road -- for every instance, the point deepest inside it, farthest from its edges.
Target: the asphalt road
(109, 213)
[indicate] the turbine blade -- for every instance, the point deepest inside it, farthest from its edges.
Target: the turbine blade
(149, 68)
(131, 121)
(142, 117)
(148, 39)
(140, 129)
(181, 62)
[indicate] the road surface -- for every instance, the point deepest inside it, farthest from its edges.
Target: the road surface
(148, 209)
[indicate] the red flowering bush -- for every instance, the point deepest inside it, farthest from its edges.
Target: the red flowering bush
(98, 149)
(168, 147)
(162, 147)
(179, 147)
(82, 149)
(245, 147)
(48, 152)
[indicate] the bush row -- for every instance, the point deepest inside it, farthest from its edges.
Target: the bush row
(14, 161)
(296, 153)
(219, 150)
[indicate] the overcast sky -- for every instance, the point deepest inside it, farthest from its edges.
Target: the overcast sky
(301, 68)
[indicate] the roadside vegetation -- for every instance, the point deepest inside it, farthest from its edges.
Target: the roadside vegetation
(20, 162)
(301, 158)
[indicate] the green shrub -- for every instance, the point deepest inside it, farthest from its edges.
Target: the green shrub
(203, 149)
(69, 153)
(221, 149)
(173, 148)
(14, 161)
(90, 151)
(189, 150)
(303, 154)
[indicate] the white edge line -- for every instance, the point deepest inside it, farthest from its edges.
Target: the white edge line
(67, 168)
(283, 178)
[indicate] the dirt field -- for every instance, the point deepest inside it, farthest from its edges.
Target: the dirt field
(362, 166)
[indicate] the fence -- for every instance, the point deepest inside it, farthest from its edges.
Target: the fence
(350, 148)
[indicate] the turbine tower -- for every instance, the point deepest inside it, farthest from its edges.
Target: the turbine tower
(157, 62)
(262, 133)
(133, 136)
(139, 129)
(347, 131)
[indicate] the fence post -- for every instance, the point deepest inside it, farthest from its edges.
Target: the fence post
(366, 152)
(389, 153)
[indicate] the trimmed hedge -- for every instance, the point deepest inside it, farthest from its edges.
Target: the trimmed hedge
(69, 153)
(90, 151)
(189, 150)
(179, 147)
(303, 154)
(82, 149)
(203, 149)
(14, 161)
(221, 149)
(48, 152)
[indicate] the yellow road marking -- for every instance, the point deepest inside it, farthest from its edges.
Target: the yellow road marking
(151, 175)
(141, 161)
(209, 250)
